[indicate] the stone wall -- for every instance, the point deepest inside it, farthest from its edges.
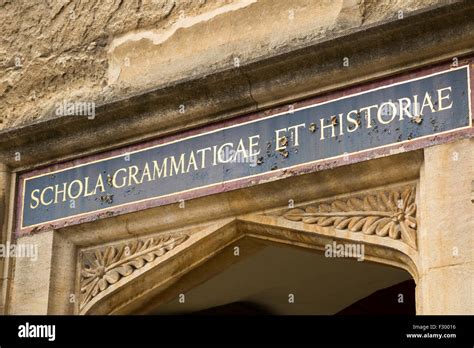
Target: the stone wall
(99, 51)
(123, 55)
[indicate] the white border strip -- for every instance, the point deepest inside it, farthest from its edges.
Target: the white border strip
(467, 67)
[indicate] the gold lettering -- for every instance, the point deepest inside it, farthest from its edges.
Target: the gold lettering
(441, 98)
(114, 178)
(192, 160)
(100, 183)
(220, 152)
(278, 146)
(295, 133)
(203, 156)
(241, 153)
(368, 114)
(42, 196)
(157, 171)
(252, 145)
(79, 192)
(415, 105)
(323, 127)
(132, 174)
(352, 120)
(146, 172)
(393, 112)
(57, 191)
(427, 102)
(177, 166)
(34, 199)
(340, 124)
(214, 162)
(404, 108)
(86, 185)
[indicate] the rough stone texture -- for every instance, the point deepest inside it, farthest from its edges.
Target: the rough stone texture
(85, 51)
(107, 50)
(4, 200)
(45, 285)
(446, 230)
(31, 284)
(62, 279)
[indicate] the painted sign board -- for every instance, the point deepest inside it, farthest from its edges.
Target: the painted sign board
(165, 171)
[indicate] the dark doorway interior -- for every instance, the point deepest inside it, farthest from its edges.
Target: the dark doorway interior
(398, 299)
(386, 301)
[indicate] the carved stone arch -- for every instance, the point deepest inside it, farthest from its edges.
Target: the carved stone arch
(383, 220)
(152, 264)
(115, 278)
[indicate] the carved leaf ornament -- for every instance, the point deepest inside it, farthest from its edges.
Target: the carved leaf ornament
(102, 268)
(391, 214)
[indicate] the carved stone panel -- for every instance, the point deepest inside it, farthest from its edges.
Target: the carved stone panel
(101, 268)
(386, 213)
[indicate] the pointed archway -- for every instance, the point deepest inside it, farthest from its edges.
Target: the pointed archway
(121, 277)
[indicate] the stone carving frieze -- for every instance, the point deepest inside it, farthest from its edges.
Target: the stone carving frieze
(386, 213)
(103, 267)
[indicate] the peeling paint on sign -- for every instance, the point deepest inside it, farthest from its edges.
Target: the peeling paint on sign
(279, 144)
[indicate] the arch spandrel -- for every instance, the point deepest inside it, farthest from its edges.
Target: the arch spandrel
(120, 277)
